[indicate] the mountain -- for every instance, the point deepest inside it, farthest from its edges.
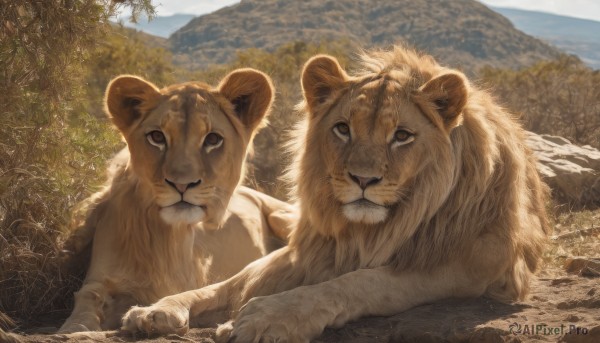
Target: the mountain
(577, 36)
(160, 26)
(463, 33)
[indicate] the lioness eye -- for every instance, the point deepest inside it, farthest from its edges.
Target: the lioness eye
(156, 138)
(212, 141)
(342, 130)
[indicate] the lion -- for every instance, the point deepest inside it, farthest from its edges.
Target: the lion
(413, 186)
(173, 217)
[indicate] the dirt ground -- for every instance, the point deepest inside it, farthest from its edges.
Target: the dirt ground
(562, 308)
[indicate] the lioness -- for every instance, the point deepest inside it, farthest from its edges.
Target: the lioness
(414, 186)
(173, 217)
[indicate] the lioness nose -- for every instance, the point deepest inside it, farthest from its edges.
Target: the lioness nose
(182, 187)
(364, 181)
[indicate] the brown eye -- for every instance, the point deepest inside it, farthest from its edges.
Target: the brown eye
(342, 130)
(213, 140)
(156, 138)
(402, 135)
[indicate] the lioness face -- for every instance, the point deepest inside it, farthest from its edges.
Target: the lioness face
(375, 135)
(187, 151)
(188, 142)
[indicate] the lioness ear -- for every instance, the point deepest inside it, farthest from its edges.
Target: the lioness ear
(251, 93)
(322, 75)
(448, 96)
(126, 99)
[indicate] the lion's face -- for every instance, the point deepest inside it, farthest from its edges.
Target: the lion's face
(372, 151)
(374, 135)
(188, 142)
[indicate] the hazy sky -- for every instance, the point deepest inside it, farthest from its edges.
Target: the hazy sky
(588, 9)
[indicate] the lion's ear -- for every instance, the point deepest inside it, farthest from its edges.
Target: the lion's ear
(127, 97)
(447, 94)
(322, 75)
(251, 93)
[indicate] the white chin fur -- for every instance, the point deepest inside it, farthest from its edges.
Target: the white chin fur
(173, 215)
(367, 214)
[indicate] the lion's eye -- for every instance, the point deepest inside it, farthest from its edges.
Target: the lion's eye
(212, 141)
(342, 130)
(157, 138)
(402, 137)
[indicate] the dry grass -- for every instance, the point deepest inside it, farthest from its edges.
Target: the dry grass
(575, 234)
(573, 108)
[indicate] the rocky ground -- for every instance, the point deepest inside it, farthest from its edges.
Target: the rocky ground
(563, 308)
(564, 305)
(571, 171)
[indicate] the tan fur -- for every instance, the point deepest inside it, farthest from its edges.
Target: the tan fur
(454, 210)
(147, 242)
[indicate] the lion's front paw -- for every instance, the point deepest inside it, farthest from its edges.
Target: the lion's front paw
(271, 319)
(224, 332)
(73, 327)
(164, 317)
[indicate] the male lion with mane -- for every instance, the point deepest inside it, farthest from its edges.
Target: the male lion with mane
(413, 186)
(172, 217)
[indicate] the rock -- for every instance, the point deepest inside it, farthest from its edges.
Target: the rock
(584, 266)
(571, 171)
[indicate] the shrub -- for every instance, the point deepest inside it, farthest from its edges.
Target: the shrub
(52, 151)
(559, 97)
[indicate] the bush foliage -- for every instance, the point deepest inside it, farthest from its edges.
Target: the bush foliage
(559, 97)
(52, 151)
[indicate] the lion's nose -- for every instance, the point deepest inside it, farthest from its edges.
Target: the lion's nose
(182, 187)
(364, 181)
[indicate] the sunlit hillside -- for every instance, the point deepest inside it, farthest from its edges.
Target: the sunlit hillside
(462, 33)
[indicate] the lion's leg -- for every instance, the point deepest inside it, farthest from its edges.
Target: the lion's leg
(303, 313)
(173, 314)
(87, 314)
(500, 267)
(282, 222)
(281, 216)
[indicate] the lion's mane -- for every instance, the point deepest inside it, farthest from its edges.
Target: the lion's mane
(487, 176)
